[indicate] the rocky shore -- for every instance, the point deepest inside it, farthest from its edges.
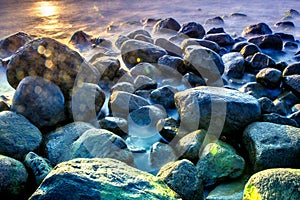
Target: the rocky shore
(177, 113)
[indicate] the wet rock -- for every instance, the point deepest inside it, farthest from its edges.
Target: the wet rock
(292, 69)
(238, 15)
(182, 177)
(205, 106)
(4, 106)
(189, 146)
(168, 25)
(277, 183)
(40, 101)
(205, 43)
(203, 61)
(144, 38)
(170, 47)
(123, 86)
(117, 125)
(107, 66)
(269, 77)
(292, 82)
(17, 135)
(134, 33)
(38, 166)
(99, 143)
(134, 52)
(215, 30)
(58, 142)
(258, 62)
(81, 40)
(249, 49)
(272, 145)
(143, 93)
(13, 178)
(93, 179)
(290, 46)
(296, 115)
(122, 103)
(120, 40)
(193, 80)
(267, 42)
(279, 119)
(257, 29)
(167, 128)
(143, 82)
(257, 90)
(234, 65)
(193, 30)
(237, 47)
(222, 39)
(10, 44)
(266, 105)
(161, 154)
(53, 61)
(284, 25)
(164, 96)
(218, 162)
(286, 37)
(214, 21)
(145, 69)
(171, 61)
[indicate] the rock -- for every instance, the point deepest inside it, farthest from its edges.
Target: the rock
(272, 145)
(144, 38)
(13, 178)
(218, 162)
(284, 25)
(168, 25)
(286, 37)
(170, 47)
(269, 77)
(193, 80)
(182, 177)
(216, 30)
(107, 66)
(145, 69)
(238, 15)
(123, 86)
(101, 179)
(167, 128)
(81, 41)
(290, 46)
(292, 82)
(164, 96)
(10, 44)
(214, 21)
(292, 69)
(40, 101)
(213, 107)
(193, 30)
(143, 82)
(4, 106)
(134, 33)
(267, 42)
(257, 29)
(99, 143)
(205, 43)
(237, 47)
(38, 166)
(143, 93)
(293, 13)
(58, 142)
(17, 135)
(161, 154)
(122, 103)
(279, 119)
(258, 62)
(249, 50)
(117, 125)
(190, 145)
(222, 39)
(53, 61)
(203, 61)
(120, 40)
(279, 183)
(171, 61)
(135, 51)
(296, 115)
(257, 90)
(234, 65)
(266, 105)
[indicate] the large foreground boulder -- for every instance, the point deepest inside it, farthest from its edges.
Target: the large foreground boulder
(101, 179)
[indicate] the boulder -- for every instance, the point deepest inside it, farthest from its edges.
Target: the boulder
(168, 25)
(222, 39)
(267, 42)
(272, 145)
(142, 82)
(279, 119)
(205, 43)
(257, 29)
(164, 96)
(284, 25)
(292, 82)
(169, 46)
(100, 178)
(292, 69)
(182, 177)
(249, 50)
(259, 61)
(234, 65)
(269, 77)
(122, 86)
(218, 109)
(278, 183)
(17, 135)
(107, 66)
(193, 30)
(134, 33)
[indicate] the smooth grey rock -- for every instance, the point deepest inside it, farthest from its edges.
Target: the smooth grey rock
(120, 40)
(267, 41)
(214, 21)
(161, 154)
(145, 69)
(284, 25)
(168, 25)
(134, 33)
(205, 43)
(171, 61)
(238, 46)
(292, 69)
(168, 129)
(164, 96)
(107, 66)
(222, 39)
(144, 38)
(257, 90)
(81, 41)
(143, 82)
(234, 65)
(292, 82)
(259, 61)
(123, 86)
(269, 77)
(169, 46)
(266, 105)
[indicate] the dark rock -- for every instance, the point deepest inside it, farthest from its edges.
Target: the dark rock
(214, 21)
(279, 119)
(273, 184)
(134, 52)
(17, 135)
(107, 66)
(164, 96)
(205, 43)
(215, 30)
(193, 80)
(123, 86)
(290, 45)
(269, 77)
(289, 98)
(257, 29)
(286, 37)
(40, 101)
(193, 30)
(238, 15)
(258, 62)
(213, 107)
(167, 128)
(170, 47)
(168, 25)
(171, 61)
(238, 46)
(117, 125)
(101, 179)
(81, 40)
(143, 93)
(234, 65)
(281, 65)
(38, 166)
(161, 154)
(132, 34)
(284, 25)
(292, 82)
(3, 106)
(267, 42)
(266, 105)
(218, 162)
(257, 90)
(292, 69)
(120, 40)
(272, 145)
(249, 50)
(143, 82)
(295, 116)
(10, 44)
(13, 178)
(183, 178)
(222, 39)
(144, 38)
(58, 142)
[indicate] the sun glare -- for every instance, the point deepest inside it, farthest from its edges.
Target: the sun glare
(46, 9)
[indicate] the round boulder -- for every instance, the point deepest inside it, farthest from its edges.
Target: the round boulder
(193, 30)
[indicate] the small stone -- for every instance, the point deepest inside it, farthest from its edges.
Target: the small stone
(214, 21)
(168, 25)
(290, 46)
(238, 15)
(132, 34)
(193, 30)
(293, 83)
(257, 29)
(120, 40)
(257, 90)
(249, 50)
(215, 30)
(4, 106)
(284, 25)
(171, 61)
(286, 37)
(164, 96)
(234, 65)
(193, 80)
(269, 77)
(81, 41)
(142, 82)
(167, 128)
(266, 105)
(267, 42)
(222, 39)
(237, 47)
